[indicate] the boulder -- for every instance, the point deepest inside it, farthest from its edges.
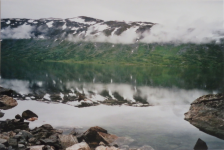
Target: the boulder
(94, 135)
(200, 145)
(207, 114)
(4, 91)
(91, 134)
(29, 115)
(79, 146)
(67, 140)
(7, 102)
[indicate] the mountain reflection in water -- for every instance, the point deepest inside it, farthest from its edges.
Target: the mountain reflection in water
(162, 126)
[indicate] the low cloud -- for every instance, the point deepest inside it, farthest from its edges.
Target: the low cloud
(22, 32)
(180, 31)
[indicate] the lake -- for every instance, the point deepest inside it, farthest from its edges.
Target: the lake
(168, 90)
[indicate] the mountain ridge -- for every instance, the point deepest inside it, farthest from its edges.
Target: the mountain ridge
(81, 26)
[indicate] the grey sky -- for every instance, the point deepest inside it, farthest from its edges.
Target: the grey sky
(128, 10)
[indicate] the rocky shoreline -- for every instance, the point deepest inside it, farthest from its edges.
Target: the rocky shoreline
(15, 134)
(206, 113)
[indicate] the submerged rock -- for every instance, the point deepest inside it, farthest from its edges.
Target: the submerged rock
(200, 145)
(29, 115)
(207, 114)
(7, 102)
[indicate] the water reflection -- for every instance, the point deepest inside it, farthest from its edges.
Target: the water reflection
(162, 126)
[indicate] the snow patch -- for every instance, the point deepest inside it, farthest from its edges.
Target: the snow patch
(47, 96)
(50, 24)
(64, 26)
(8, 22)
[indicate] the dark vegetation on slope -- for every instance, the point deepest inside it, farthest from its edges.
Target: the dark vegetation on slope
(203, 55)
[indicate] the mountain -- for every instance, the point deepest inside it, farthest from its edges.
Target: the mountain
(61, 28)
(66, 40)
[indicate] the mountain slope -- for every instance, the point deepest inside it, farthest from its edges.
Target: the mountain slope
(61, 28)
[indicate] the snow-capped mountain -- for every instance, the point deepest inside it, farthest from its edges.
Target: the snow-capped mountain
(61, 28)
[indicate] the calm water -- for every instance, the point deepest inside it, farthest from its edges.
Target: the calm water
(162, 126)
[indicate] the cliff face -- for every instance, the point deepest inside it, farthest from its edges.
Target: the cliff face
(207, 114)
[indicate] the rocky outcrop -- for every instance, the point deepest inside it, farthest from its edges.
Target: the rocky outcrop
(29, 115)
(207, 114)
(7, 102)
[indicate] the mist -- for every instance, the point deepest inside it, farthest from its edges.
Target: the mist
(181, 31)
(22, 32)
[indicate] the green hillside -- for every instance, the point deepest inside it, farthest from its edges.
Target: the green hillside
(204, 55)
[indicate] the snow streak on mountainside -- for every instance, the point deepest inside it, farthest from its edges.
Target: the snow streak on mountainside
(95, 30)
(80, 27)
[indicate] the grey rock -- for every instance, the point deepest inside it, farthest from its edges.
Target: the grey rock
(12, 142)
(207, 114)
(26, 135)
(2, 147)
(32, 140)
(2, 141)
(200, 145)
(67, 140)
(51, 142)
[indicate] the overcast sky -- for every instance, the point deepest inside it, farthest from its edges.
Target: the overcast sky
(129, 10)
